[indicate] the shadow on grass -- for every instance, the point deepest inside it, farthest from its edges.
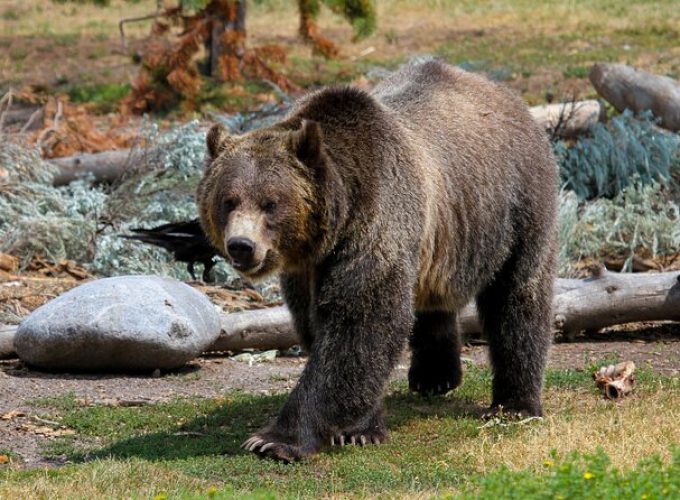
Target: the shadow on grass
(221, 430)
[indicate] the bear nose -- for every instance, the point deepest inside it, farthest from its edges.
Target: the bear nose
(241, 250)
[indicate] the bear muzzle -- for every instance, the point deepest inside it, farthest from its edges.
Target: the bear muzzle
(241, 251)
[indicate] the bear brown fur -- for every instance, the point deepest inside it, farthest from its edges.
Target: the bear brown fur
(385, 212)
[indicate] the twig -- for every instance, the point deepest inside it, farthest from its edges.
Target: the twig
(122, 22)
(31, 119)
(7, 98)
(46, 422)
(566, 114)
(54, 127)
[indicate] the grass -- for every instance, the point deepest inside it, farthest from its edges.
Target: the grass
(534, 46)
(104, 97)
(189, 448)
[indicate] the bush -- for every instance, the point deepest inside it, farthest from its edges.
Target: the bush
(612, 155)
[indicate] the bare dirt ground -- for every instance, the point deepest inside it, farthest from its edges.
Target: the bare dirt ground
(24, 430)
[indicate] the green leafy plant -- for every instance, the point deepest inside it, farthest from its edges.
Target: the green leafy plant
(614, 155)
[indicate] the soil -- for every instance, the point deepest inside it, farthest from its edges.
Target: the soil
(25, 431)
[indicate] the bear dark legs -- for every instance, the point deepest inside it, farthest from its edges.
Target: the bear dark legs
(435, 353)
(515, 311)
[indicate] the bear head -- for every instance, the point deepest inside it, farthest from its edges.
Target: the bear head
(259, 199)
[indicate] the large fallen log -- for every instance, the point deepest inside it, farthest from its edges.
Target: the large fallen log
(606, 299)
(107, 166)
(629, 88)
(568, 119)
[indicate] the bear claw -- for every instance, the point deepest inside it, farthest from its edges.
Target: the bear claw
(282, 452)
(360, 440)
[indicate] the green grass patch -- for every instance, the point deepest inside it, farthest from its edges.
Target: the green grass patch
(105, 97)
(189, 448)
(583, 476)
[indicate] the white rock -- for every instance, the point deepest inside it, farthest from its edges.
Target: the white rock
(126, 323)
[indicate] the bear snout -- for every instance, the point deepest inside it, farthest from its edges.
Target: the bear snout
(242, 251)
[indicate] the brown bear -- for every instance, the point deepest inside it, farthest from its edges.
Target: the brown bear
(385, 212)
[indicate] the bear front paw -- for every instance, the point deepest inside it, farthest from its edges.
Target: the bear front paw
(372, 432)
(270, 447)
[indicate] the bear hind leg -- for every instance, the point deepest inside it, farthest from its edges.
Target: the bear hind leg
(515, 311)
(435, 354)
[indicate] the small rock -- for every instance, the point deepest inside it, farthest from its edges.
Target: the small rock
(126, 323)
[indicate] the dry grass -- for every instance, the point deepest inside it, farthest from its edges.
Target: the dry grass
(103, 479)
(577, 421)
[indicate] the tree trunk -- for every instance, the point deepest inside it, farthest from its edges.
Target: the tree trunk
(634, 89)
(227, 38)
(604, 300)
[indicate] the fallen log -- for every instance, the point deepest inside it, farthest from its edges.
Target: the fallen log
(260, 329)
(7, 341)
(106, 166)
(609, 299)
(604, 300)
(629, 88)
(568, 119)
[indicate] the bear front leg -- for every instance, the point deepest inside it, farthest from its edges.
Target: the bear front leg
(297, 294)
(435, 354)
(360, 331)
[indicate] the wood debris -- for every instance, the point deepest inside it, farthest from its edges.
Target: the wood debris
(616, 381)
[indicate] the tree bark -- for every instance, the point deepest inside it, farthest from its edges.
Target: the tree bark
(568, 119)
(604, 300)
(625, 87)
(107, 166)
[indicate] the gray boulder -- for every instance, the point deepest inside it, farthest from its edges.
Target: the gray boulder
(126, 323)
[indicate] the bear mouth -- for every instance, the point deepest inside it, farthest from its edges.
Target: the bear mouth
(259, 269)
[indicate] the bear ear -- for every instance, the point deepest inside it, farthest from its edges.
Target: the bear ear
(307, 143)
(216, 139)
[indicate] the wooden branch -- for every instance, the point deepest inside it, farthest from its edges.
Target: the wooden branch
(262, 329)
(107, 166)
(604, 300)
(568, 119)
(7, 333)
(122, 23)
(58, 115)
(7, 101)
(626, 87)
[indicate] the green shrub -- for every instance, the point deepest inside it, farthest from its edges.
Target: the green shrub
(612, 155)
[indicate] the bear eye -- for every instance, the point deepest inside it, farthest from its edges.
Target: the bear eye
(269, 207)
(229, 205)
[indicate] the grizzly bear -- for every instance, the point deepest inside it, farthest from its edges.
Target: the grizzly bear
(385, 212)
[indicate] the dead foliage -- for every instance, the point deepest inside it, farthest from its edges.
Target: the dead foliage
(169, 73)
(309, 30)
(70, 128)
